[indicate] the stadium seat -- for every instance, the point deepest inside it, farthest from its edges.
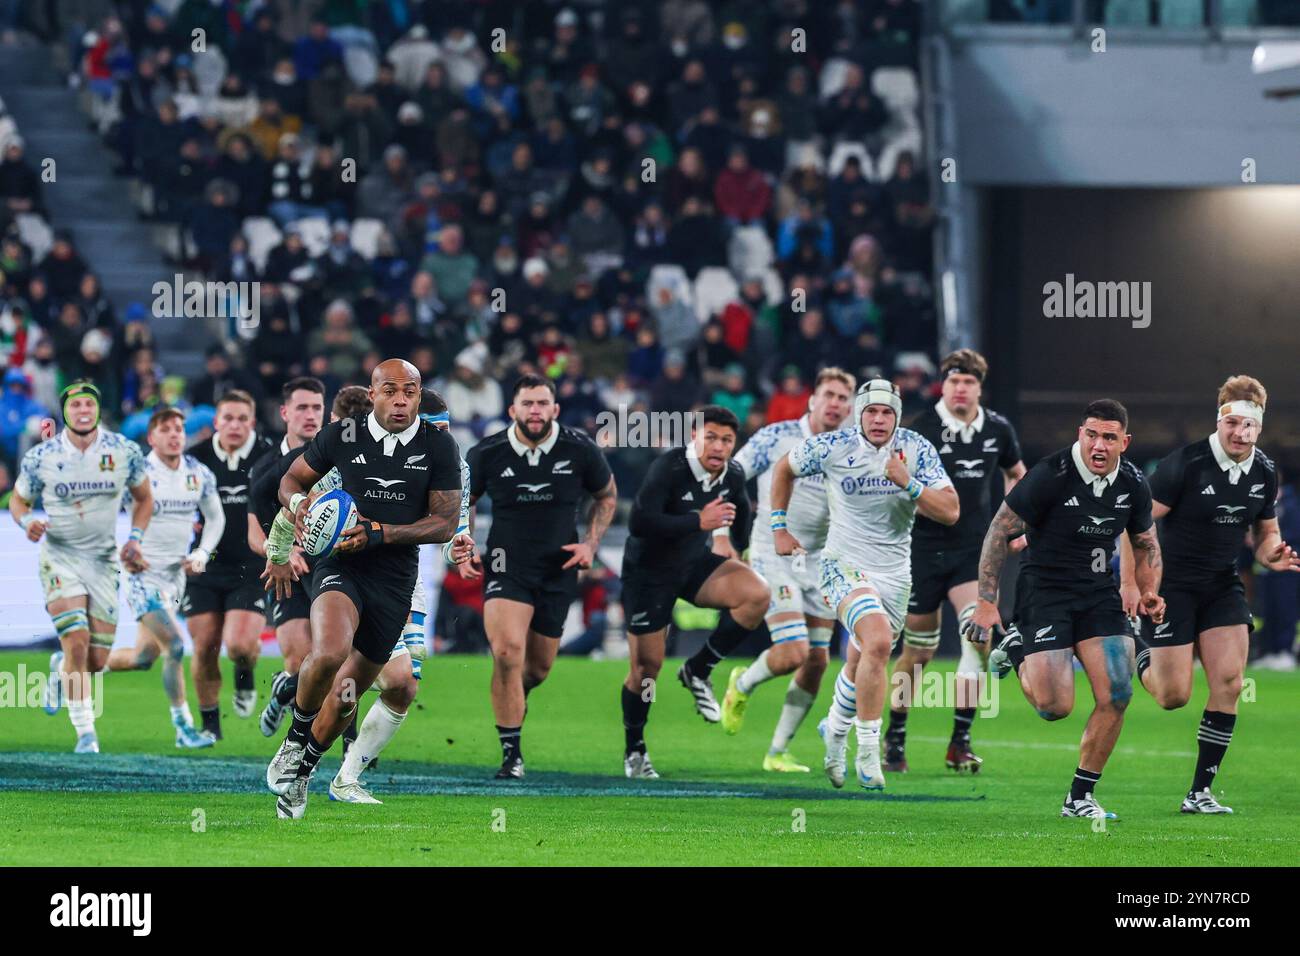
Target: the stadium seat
(1128, 13)
(831, 80)
(1182, 14)
(1238, 13)
(262, 236)
(715, 288)
(840, 155)
(674, 277)
(315, 233)
(361, 64)
(36, 232)
(365, 237)
(897, 86)
(908, 140)
(750, 251)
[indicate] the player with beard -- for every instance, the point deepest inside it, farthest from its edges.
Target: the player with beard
(878, 476)
(1209, 493)
(224, 606)
(79, 476)
(302, 409)
(1073, 505)
(797, 619)
(691, 496)
(404, 476)
(536, 472)
(977, 447)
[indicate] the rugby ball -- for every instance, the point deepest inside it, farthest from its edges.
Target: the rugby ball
(328, 517)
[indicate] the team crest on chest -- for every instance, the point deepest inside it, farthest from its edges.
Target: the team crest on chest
(105, 462)
(191, 482)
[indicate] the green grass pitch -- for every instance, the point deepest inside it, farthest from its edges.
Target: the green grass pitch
(142, 802)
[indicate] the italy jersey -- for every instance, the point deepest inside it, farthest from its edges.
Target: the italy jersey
(177, 494)
(807, 514)
(81, 492)
(870, 516)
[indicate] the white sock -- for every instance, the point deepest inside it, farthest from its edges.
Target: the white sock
(375, 733)
(844, 705)
(868, 734)
(755, 674)
(82, 715)
(797, 704)
(181, 716)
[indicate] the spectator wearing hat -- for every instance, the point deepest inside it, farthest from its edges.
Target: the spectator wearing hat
(415, 136)
(566, 51)
(474, 398)
(586, 102)
(733, 393)
(386, 189)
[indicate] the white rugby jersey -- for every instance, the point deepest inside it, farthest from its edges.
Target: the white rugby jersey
(81, 492)
(807, 516)
(870, 516)
(177, 493)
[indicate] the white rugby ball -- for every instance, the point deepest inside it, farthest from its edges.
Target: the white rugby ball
(328, 517)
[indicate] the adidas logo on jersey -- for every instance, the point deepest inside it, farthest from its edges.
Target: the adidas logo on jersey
(1209, 490)
(946, 449)
(1072, 503)
(688, 497)
(359, 460)
(508, 473)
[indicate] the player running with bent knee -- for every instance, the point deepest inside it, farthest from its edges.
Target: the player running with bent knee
(877, 477)
(798, 619)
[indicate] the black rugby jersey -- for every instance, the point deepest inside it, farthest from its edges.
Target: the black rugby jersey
(535, 494)
(975, 467)
(232, 474)
(665, 523)
(1072, 531)
(389, 476)
(1203, 533)
(264, 484)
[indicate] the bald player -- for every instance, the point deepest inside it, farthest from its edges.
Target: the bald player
(404, 475)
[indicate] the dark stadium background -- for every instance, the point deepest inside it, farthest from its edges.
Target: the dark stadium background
(977, 185)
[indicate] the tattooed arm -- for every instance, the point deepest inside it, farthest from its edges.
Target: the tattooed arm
(603, 504)
(1147, 569)
(993, 555)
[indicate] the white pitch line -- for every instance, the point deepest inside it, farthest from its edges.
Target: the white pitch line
(1039, 745)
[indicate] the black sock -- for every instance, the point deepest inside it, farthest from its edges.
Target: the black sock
(1143, 660)
(301, 725)
(211, 719)
(962, 718)
(636, 711)
(726, 637)
(1212, 739)
(510, 743)
(311, 756)
(288, 691)
(244, 677)
(1085, 782)
(350, 732)
(897, 726)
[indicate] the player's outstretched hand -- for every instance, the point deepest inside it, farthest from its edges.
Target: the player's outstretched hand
(1282, 558)
(581, 555)
(35, 530)
(298, 562)
(982, 623)
(1130, 597)
(279, 578)
(896, 470)
(1153, 606)
(300, 516)
(133, 557)
(786, 543)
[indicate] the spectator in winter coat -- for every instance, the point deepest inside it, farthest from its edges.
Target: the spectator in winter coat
(742, 193)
